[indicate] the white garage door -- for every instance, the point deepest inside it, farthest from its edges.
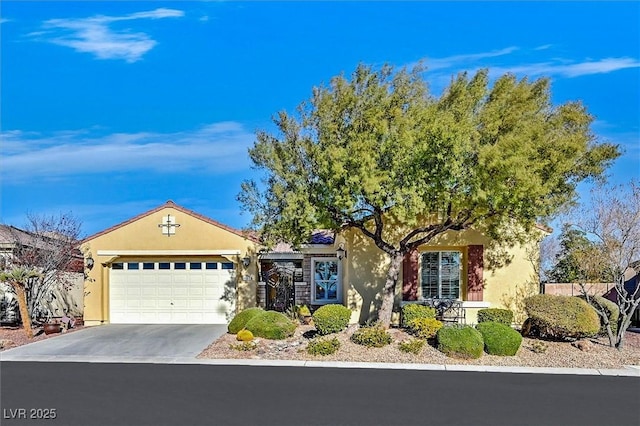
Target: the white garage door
(172, 292)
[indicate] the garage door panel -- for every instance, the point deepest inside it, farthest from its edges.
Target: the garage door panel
(180, 304)
(166, 292)
(170, 296)
(180, 278)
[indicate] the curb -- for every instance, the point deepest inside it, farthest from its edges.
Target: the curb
(627, 371)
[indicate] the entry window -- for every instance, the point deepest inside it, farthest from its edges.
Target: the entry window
(179, 265)
(117, 266)
(133, 265)
(195, 265)
(148, 265)
(227, 265)
(211, 265)
(326, 280)
(164, 265)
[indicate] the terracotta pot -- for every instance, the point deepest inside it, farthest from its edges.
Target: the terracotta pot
(51, 328)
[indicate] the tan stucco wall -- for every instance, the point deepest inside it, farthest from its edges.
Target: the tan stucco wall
(144, 234)
(366, 269)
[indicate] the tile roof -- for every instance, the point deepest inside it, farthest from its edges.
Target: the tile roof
(322, 236)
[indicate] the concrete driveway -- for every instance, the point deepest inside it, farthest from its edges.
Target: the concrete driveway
(121, 341)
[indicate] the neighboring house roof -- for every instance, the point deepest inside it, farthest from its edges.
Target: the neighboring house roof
(171, 204)
(10, 235)
(318, 236)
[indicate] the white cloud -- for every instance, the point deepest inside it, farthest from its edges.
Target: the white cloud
(213, 149)
(4, 20)
(577, 69)
(95, 36)
(459, 60)
(441, 69)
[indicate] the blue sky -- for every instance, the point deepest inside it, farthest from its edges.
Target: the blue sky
(109, 109)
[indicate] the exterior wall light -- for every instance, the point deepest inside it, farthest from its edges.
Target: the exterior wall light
(246, 261)
(341, 252)
(90, 262)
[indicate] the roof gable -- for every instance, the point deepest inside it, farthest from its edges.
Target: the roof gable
(171, 204)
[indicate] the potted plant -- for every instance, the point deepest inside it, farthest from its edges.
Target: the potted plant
(49, 324)
(305, 314)
(51, 327)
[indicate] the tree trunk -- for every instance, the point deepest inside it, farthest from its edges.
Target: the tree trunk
(389, 290)
(24, 311)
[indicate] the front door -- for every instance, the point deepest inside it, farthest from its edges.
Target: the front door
(280, 287)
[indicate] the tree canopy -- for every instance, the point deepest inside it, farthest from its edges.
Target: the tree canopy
(578, 260)
(378, 148)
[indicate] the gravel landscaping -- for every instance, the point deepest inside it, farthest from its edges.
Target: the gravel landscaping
(595, 353)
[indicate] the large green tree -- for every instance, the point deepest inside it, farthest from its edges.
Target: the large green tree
(571, 264)
(377, 149)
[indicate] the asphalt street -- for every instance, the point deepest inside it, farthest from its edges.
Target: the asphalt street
(87, 394)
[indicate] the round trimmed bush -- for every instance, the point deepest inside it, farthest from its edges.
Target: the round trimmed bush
(560, 317)
(240, 320)
(460, 342)
(244, 335)
(271, 325)
(499, 339)
(371, 337)
(414, 311)
(503, 316)
(612, 310)
(331, 318)
(424, 328)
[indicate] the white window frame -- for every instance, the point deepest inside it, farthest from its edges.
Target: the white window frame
(338, 299)
(439, 285)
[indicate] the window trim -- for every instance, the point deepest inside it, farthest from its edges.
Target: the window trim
(461, 279)
(339, 287)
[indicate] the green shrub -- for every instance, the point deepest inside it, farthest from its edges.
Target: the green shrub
(240, 320)
(539, 347)
(499, 339)
(331, 318)
(323, 346)
(612, 310)
(244, 335)
(424, 328)
(414, 311)
(304, 311)
(244, 346)
(371, 337)
(460, 342)
(559, 317)
(503, 316)
(271, 325)
(413, 346)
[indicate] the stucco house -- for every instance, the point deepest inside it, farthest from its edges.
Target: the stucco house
(169, 265)
(173, 265)
(67, 293)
